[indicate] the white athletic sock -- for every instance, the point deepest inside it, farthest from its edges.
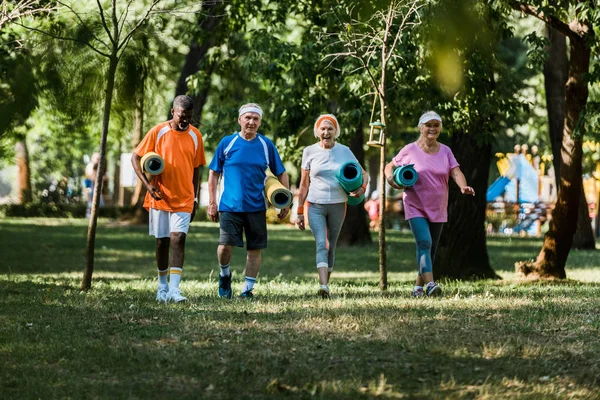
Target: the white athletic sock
(325, 287)
(418, 287)
(224, 270)
(175, 278)
(248, 283)
(163, 278)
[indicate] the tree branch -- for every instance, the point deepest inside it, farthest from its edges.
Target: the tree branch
(82, 22)
(70, 39)
(104, 24)
(139, 24)
(554, 22)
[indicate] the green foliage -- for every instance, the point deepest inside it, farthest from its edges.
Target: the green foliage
(17, 85)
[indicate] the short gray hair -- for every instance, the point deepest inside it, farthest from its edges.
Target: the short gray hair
(184, 102)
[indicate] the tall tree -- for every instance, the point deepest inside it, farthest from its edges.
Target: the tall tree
(373, 43)
(470, 55)
(577, 23)
(107, 32)
(556, 68)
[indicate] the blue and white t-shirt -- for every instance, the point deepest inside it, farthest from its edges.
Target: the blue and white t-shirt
(323, 165)
(243, 165)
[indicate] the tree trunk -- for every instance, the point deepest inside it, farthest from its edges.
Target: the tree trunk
(140, 215)
(381, 245)
(24, 172)
(556, 71)
(462, 250)
(208, 23)
(552, 258)
(355, 231)
(86, 282)
(584, 234)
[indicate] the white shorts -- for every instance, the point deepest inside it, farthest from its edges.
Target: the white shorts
(163, 223)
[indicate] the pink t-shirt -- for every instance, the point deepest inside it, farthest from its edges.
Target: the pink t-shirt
(429, 196)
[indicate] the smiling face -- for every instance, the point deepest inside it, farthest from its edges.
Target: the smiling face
(249, 122)
(326, 132)
(181, 118)
(431, 129)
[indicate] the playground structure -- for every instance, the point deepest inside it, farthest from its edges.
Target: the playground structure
(522, 198)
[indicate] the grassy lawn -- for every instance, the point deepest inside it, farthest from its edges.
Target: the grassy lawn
(489, 339)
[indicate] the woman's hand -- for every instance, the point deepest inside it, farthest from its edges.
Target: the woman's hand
(358, 192)
(300, 222)
(392, 182)
(468, 190)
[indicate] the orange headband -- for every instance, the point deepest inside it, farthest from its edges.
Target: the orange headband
(327, 118)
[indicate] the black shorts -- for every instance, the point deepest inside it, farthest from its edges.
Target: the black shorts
(254, 224)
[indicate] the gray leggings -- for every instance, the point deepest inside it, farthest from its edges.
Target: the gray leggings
(326, 222)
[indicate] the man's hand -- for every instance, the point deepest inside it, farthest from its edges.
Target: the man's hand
(193, 212)
(154, 192)
(283, 213)
(213, 211)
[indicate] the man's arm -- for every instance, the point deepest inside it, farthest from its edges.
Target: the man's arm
(285, 181)
(135, 162)
(213, 182)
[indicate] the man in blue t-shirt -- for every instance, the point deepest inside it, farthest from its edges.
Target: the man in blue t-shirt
(242, 160)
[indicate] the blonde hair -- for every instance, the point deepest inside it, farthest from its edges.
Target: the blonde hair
(327, 117)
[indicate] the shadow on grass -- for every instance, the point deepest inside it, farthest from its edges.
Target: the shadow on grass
(120, 343)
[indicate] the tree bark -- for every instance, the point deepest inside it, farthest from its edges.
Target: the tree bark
(208, 23)
(556, 71)
(86, 282)
(24, 172)
(551, 260)
(462, 250)
(140, 215)
(584, 234)
(355, 231)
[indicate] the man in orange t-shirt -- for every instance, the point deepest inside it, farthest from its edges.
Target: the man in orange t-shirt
(171, 197)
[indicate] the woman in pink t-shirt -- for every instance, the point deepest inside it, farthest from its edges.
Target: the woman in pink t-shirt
(426, 202)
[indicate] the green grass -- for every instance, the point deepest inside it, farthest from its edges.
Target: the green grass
(488, 339)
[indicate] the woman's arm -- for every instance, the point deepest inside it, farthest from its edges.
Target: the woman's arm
(461, 181)
(302, 193)
(389, 175)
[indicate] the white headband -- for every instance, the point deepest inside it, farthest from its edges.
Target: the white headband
(248, 109)
(428, 117)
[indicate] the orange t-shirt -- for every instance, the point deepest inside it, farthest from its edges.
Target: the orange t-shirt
(183, 151)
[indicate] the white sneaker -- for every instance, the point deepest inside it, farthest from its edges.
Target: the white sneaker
(161, 295)
(175, 296)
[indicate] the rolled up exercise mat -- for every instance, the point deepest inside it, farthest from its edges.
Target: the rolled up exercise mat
(406, 175)
(350, 177)
(277, 194)
(152, 163)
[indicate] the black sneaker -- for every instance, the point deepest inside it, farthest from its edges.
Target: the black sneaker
(225, 286)
(247, 294)
(433, 290)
